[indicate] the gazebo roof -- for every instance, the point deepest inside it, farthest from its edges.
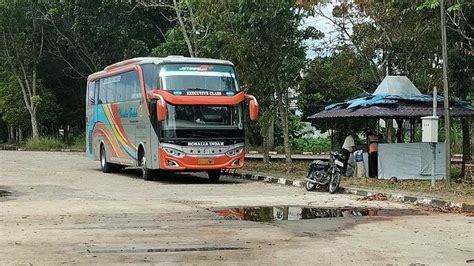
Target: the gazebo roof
(397, 85)
(401, 110)
(395, 97)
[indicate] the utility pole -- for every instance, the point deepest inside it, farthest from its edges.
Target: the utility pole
(446, 94)
(433, 144)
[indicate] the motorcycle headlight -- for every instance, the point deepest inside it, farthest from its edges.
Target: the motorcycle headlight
(174, 152)
(234, 151)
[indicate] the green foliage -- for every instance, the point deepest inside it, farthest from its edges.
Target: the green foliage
(36, 99)
(174, 45)
(78, 142)
(316, 145)
(80, 37)
(333, 79)
(12, 107)
(295, 127)
(44, 144)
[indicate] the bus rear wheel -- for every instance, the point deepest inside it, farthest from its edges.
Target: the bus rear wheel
(105, 166)
(214, 175)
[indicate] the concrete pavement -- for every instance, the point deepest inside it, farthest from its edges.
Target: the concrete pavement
(62, 209)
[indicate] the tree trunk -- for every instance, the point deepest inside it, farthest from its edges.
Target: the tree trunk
(284, 121)
(11, 134)
(271, 129)
(20, 134)
(389, 132)
(271, 135)
(400, 131)
(34, 124)
(266, 156)
(466, 146)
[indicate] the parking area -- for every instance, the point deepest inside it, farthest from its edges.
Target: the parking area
(60, 208)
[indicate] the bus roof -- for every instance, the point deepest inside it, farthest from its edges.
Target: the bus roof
(159, 60)
(168, 59)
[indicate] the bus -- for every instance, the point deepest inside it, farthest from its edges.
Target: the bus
(167, 114)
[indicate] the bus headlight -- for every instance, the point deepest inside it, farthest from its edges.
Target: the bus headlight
(234, 151)
(174, 152)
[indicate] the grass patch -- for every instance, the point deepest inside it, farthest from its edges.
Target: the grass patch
(78, 143)
(44, 144)
(277, 168)
(455, 191)
(461, 192)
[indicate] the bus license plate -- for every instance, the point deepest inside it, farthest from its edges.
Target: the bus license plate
(205, 161)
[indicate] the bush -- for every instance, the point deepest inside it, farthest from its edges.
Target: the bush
(316, 145)
(280, 149)
(43, 144)
(78, 142)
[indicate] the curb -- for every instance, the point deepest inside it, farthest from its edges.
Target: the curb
(50, 150)
(435, 203)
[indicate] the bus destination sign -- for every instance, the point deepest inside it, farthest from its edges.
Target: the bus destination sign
(206, 143)
(203, 93)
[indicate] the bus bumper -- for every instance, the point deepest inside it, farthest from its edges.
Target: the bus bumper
(200, 163)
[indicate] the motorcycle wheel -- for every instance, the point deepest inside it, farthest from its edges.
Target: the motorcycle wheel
(334, 183)
(310, 186)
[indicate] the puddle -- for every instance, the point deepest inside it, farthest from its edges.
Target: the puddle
(294, 213)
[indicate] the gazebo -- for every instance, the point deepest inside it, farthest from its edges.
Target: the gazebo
(397, 98)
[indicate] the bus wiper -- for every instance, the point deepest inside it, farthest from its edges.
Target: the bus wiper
(196, 89)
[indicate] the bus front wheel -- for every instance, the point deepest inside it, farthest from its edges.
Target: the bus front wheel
(147, 174)
(214, 175)
(105, 166)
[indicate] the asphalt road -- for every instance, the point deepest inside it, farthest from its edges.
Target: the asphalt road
(58, 208)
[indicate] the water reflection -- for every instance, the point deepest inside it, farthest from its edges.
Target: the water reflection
(291, 213)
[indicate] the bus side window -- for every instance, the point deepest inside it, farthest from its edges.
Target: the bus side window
(96, 91)
(91, 93)
(102, 93)
(136, 86)
(133, 86)
(151, 76)
(120, 89)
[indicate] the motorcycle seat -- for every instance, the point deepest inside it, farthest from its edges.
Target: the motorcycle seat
(320, 163)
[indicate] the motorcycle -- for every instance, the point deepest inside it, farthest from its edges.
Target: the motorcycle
(325, 174)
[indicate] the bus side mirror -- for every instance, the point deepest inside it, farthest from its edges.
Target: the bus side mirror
(161, 109)
(254, 107)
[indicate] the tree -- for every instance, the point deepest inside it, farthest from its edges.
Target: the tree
(335, 78)
(263, 39)
(12, 107)
(187, 23)
(22, 44)
(460, 21)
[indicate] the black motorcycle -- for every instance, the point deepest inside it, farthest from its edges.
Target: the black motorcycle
(327, 174)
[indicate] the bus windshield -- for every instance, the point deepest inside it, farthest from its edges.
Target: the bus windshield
(198, 117)
(198, 77)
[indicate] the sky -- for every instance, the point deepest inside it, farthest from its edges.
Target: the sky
(322, 24)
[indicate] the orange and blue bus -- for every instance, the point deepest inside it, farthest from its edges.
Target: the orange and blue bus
(167, 114)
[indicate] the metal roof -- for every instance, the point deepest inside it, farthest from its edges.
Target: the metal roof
(405, 110)
(396, 85)
(395, 97)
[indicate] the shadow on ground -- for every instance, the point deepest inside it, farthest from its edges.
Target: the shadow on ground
(179, 178)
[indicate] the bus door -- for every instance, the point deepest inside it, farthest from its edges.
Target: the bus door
(91, 116)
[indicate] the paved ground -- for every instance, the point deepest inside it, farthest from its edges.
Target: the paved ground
(64, 210)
